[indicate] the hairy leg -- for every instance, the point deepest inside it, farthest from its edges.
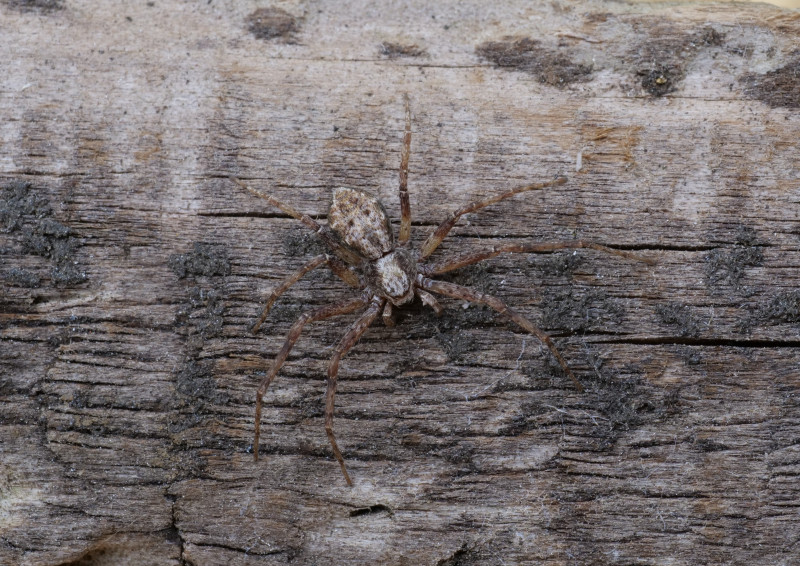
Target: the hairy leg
(284, 285)
(469, 259)
(321, 313)
(336, 266)
(343, 272)
(467, 294)
(436, 237)
(405, 205)
(429, 300)
(388, 315)
(348, 341)
(324, 233)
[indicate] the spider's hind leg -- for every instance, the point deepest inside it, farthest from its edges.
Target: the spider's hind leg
(467, 294)
(321, 313)
(347, 342)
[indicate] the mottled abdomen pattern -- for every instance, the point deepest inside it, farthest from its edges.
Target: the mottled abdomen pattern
(361, 222)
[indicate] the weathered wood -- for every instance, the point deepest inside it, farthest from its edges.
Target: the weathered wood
(132, 268)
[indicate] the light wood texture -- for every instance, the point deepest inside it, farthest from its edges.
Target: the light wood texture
(132, 267)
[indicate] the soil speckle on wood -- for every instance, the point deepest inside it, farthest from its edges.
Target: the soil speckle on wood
(273, 23)
(206, 259)
(578, 312)
(23, 210)
(727, 266)
(680, 316)
(22, 278)
(779, 88)
(393, 50)
(202, 313)
(301, 243)
(41, 6)
(549, 66)
(665, 54)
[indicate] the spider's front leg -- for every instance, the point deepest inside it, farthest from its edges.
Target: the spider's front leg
(436, 237)
(405, 205)
(347, 342)
(467, 294)
(329, 239)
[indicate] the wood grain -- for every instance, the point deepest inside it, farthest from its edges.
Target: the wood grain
(132, 268)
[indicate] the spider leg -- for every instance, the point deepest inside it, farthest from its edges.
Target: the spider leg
(436, 237)
(467, 294)
(405, 205)
(321, 313)
(324, 233)
(388, 318)
(469, 259)
(347, 342)
(284, 285)
(336, 266)
(429, 300)
(343, 272)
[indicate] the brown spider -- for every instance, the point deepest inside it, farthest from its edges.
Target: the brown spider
(389, 274)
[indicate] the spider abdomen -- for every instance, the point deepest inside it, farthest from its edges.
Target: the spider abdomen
(361, 222)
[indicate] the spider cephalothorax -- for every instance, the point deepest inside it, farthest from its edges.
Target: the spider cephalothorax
(364, 253)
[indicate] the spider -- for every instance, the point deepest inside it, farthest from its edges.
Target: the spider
(391, 274)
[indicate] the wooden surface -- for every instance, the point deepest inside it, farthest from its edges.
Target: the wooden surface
(132, 268)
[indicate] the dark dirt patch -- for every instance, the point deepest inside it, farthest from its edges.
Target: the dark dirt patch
(558, 264)
(395, 50)
(660, 79)
(196, 381)
(530, 416)
(727, 266)
(680, 316)
(626, 403)
(478, 277)
(452, 330)
(273, 23)
(24, 211)
(550, 66)
(202, 314)
(455, 343)
(22, 278)
(785, 307)
(579, 312)
(464, 556)
(664, 55)
(779, 88)
(206, 259)
(307, 406)
(18, 202)
(35, 5)
(708, 36)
